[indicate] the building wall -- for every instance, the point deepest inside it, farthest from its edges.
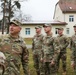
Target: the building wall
(58, 15)
(32, 31)
(70, 24)
(64, 17)
(57, 26)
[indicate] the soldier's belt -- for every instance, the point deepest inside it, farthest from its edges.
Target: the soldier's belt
(38, 48)
(62, 51)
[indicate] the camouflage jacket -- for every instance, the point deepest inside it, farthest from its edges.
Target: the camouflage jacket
(73, 47)
(64, 42)
(37, 43)
(16, 54)
(50, 48)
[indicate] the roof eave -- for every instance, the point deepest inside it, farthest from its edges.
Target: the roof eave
(59, 23)
(69, 11)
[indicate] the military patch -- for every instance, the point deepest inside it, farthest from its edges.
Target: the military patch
(5, 48)
(16, 48)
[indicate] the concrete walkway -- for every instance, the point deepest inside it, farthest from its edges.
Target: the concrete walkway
(29, 46)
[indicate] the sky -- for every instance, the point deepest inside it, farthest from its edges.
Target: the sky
(39, 10)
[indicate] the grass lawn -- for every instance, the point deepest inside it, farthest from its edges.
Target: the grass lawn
(31, 68)
(28, 41)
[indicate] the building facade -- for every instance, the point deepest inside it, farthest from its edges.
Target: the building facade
(28, 29)
(65, 11)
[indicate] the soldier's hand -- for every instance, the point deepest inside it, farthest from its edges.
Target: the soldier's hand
(52, 63)
(41, 59)
(72, 64)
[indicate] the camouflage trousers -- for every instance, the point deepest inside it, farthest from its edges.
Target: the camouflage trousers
(11, 69)
(75, 67)
(62, 56)
(49, 69)
(36, 59)
(2, 69)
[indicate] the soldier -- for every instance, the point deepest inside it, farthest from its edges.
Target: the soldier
(37, 48)
(14, 48)
(2, 63)
(63, 45)
(73, 49)
(50, 51)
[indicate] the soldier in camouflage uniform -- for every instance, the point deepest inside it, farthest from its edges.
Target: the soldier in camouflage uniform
(63, 44)
(14, 48)
(37, 48)
(50, 51)
(2, 62)
(73, 49)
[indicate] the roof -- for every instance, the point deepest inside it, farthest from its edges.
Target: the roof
(36, 22)
(53, 22)
(32, 21)
(67, 6)
(57, 22)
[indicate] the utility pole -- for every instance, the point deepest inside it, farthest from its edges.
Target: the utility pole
(3, 23)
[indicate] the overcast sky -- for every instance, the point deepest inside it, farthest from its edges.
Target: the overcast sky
(39, 10)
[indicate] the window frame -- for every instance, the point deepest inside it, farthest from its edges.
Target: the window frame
(56, 31)
(71, 18)
(27, 31)
(67, 30)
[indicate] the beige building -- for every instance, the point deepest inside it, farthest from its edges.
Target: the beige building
(64, 16)
(65, 11)
(28, 29)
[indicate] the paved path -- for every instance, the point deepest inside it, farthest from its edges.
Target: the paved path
(29, 46)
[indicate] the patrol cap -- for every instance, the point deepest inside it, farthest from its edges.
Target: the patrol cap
(60, 28)
(16, 22)
(38, 27)
(47, 25)
(74, 25)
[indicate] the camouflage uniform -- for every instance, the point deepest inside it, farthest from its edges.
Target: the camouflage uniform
(50, 53)
(37, 50)
(73, 49)
(2, 62)
(63, 44)
(16, 53)
(2, 59)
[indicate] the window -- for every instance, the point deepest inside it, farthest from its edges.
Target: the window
(56, 30)
(71, 18)
(67, 31)
(27, 31)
